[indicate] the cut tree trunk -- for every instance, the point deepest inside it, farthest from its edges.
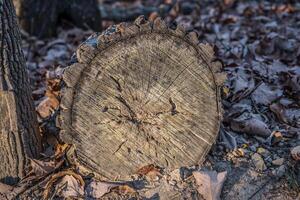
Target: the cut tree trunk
(19, 136)
(141, 94)
(41, 18)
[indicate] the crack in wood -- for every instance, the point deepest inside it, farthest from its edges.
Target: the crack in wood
(119, 147)
(131, 112)
(173, 107)
(119, 88)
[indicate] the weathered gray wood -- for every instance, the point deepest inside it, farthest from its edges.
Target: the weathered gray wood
(145, 94)
(41, 17)
(19, 136)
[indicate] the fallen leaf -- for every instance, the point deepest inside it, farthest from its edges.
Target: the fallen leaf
(265, 94)
(250, 125)
(227, 138)
(263, 152)
(278, 162)
(69, 187)
(53, 88)
(258, 162)
(277, 137)
(96, 189)
(40, 168)
(210, 183)
(226, 91)
(60, 149)
(228, 2)
(125, 189)
(242, 83)
(145, 169)
(295, 152)
(68, 152)
(285, 8)
(286, 115)
(47, 106)
(154, 175)
(239, 152)
(4, 189)
(151, 171)
(153, 16)
(56, 177)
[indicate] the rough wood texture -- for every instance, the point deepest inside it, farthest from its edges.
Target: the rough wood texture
(141, 94)
(19, 136)
(41, 17)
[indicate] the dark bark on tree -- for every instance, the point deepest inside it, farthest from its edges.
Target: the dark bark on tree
(19, 135)
(121, 14)
(41, 18)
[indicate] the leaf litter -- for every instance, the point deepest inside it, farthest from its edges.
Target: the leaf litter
(259, 45)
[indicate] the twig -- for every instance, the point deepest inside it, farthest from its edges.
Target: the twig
(260, 188)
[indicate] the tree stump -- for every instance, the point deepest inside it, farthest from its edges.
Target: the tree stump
(141, 94)
(19, 135)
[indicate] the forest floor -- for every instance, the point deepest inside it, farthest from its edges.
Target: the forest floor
(259, 45)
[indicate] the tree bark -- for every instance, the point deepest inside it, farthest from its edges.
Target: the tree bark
(141, 94)
(19, 135)
(41, 17)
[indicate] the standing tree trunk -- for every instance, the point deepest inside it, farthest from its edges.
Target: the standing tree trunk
(141, 94)
(19, 135)
(41, 17)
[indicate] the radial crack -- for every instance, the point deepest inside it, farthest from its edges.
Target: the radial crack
(119, 147)
(173, 107)
(119, 88)
(131, 112)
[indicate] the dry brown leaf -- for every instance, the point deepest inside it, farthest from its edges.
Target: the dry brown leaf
(168, 1)
(277, 137)
(146, 169)
(251, 126)
(69, 187)
(60, 150)
(226, 91)
(154, 174)
(97, 189)
(210, 183)
(153, 16)
(295, 152)
(285, 9)
(239, 152)
(67, 151)
(4, 189)
(125, 189)
(286, 114)
(47, 106)
(40, 168)
(151, 171)
(56, 177)
(228, 2)
(54, 86)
